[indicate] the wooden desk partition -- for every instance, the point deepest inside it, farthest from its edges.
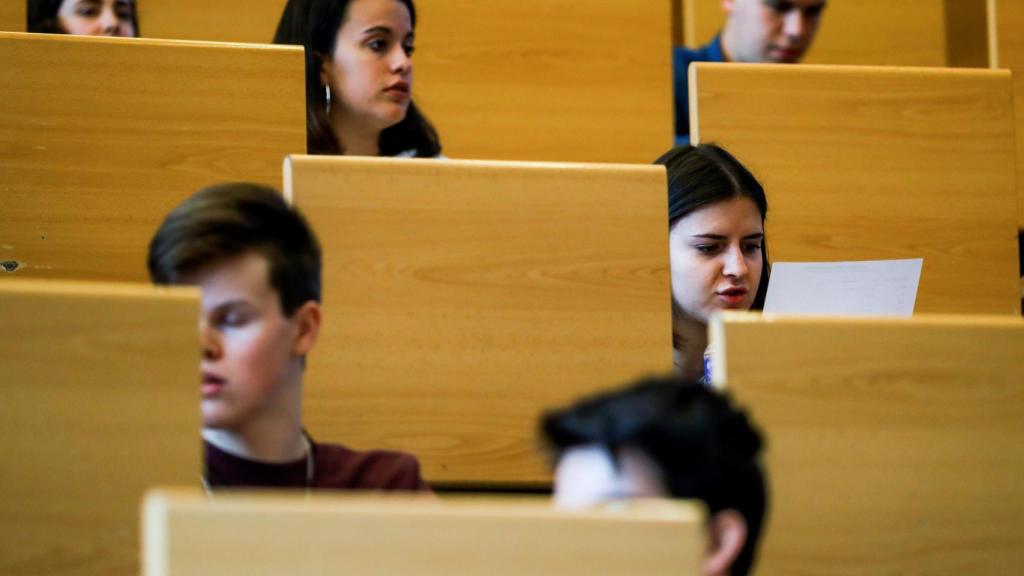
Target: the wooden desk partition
(99, 403)
(1008, 52)
(894, 446)
(583, 81)
(461, 299)
(14, 15)
(875, 163)
(262, 535)
(101, 137)
(875, 32)
(222, 21)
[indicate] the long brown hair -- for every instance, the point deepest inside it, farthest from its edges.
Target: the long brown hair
(314, 24)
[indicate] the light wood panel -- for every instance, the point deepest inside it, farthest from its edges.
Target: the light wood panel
(552, 81)
(875, 32)
(254, 535)
(507, 79)
(99, 403)
(14, 16)
(1008, 23)
(461, 299)
(894, 446)
(874, 163)
(102, 137)
(220, 21)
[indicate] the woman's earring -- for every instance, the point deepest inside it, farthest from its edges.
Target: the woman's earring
(327, 96)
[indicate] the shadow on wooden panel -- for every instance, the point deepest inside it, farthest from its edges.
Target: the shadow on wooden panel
(83, 367)
(878, 163)
(264, 534)
(102, 137)
(461, 299)
(894, 446)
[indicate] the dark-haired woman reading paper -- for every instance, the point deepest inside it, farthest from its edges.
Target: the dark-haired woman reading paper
(717, 245)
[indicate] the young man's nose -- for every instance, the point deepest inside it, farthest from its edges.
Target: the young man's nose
(209, 342)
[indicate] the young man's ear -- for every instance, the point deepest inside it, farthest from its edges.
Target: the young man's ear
(727, 533)
(307, 322)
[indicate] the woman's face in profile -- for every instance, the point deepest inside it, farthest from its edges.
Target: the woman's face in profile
(370, 70)
(716, 258)
(97, 17)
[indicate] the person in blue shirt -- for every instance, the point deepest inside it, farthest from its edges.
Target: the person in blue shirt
(773, 31)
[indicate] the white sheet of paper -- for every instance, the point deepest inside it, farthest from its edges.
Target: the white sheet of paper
(866, 288)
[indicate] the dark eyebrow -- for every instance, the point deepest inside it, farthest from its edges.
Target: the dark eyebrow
(755, 236)
(378, 30)
(237, 303)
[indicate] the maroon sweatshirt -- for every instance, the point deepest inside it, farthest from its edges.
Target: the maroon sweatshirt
(334, 467)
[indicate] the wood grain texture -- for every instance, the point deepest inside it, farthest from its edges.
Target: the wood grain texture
(461, 299)
(256, 535)
(102, 137)
(877, 163)
(866, 32)
(99, 403)
(221, 21)
(507, 79)
(14, 16)
(542, 80)
(1009, 26)
(894, 446)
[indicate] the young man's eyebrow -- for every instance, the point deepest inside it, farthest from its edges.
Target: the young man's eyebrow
(236, 303)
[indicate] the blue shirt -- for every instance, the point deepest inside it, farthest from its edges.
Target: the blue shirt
(681, 59)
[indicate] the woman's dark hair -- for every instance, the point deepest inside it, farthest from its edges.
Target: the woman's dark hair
(229, 220)
(701, 175)
(314, 24)
(42, 16)
(703, 445)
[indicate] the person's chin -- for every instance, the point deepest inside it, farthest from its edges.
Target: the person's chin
(214, 414)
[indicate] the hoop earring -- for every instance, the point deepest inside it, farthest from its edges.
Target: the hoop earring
(327, 96)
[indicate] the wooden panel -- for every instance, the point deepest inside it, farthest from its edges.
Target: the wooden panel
(894, 446)
(220, 21)
(865, 163)
(84, 366)
(542, 80)
(1009, 24)
(463, 298)
(868, 32)
(13, 16)
(254, 535)
(102, 137)
(507, 79)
